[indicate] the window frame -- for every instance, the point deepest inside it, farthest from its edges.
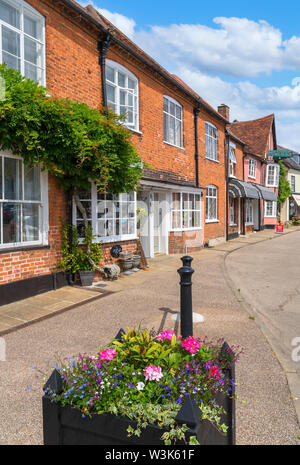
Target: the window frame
(128, 74)
(94, 219)
(232, 160)
(215, 219)
(253, 164)
(231, 212)
(171, 100)
(276, 175)
(274, 209)
(43, 215)
(293, 183)
(215, 139)
(249, 220)
(23, 7)
(181, 210)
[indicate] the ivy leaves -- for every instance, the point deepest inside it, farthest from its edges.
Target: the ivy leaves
(73, 142)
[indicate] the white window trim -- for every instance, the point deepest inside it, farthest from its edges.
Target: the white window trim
(105, 239)
(231, 223)
(118, 67)
(193, 228)
(212, 220)
(22, 6)
(43, 210)
(253, 176)
(276, 175)
(251, 222)
(214, 139)
(293, 183)
(274, 209)
(173, 116)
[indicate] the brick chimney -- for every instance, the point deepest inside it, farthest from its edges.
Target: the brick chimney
(224, 111)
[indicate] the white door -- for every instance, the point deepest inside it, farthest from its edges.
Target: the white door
(158, 220)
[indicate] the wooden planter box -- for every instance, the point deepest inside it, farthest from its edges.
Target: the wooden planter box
(65, 425)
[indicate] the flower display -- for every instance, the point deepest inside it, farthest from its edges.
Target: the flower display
(148, 377)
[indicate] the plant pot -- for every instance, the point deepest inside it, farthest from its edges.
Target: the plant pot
(64, 425)
(86, 277)
(126, 264)
(136, 259)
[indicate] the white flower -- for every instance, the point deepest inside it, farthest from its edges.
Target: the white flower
(140, 386)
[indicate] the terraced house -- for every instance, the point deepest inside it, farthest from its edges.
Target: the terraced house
(185, 145)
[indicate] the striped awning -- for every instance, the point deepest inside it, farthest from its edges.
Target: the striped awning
(267, 194)
(238, 188)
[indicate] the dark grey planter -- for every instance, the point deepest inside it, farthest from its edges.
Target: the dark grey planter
(86, 277)
(66, 426)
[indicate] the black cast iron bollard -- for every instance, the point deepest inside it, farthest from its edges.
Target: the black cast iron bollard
(186, 308)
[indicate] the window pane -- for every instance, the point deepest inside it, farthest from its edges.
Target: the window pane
(197, 219)
(176, 220)
(11, 61)
(172, 108)
(124, 226)
(178, 133)
(101, 228)
(13, 179)
(81, 228)
(33, 72)
(109, 209)
(101, 209)
(176, 201)
(88, 208)
(125, 213)
(110, 74)
(131, 227)
(30, 222)
(166, 125)
(32, 188)
(33, 52)
(10, 41)
(166, 105)
(178, 112)
(171, 130)
(32, 27)
(121, 79)
(185, 219)
(129, 116)
(123, 97)
(131, 84)
(110, 90)
(11, 223)
(9, 14)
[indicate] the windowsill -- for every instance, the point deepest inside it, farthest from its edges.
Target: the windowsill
(212, 221)
(233, 224)
(173, 145)
(211, 159)
(249, 224)
(270, 216)
(275, 187)
(135, 131)
(197, 228)
(24, 248)
(252, 177)
(108, 239)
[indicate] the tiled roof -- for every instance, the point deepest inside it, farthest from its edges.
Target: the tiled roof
(254, 133)
(166, 176)
(121, 39)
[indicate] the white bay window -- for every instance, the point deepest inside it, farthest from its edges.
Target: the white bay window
(22, 39)
(23, 203)
(272, 175)
(112, 216)
(186, 211)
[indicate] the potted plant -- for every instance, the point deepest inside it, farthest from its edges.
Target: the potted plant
(82, 258)
(143, 388)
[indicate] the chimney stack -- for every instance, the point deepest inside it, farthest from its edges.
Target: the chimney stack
(224, 111)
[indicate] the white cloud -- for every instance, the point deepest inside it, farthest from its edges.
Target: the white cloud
(237, 47)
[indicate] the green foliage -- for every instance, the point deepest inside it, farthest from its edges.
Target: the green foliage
(284, 190)
(77, 259)
(75, 143)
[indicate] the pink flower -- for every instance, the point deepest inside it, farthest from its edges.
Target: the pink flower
(152, 373)
(191, 345)
(214, 372)
(165, 335)
(107, 354)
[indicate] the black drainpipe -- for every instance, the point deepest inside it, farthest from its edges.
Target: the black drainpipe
(243, 199)
(227, 182)
(196, 114)
(103, 46)
(70, 233)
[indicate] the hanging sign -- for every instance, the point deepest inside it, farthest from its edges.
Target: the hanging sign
(280, 154)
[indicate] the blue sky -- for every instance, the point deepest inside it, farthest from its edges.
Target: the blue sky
(242, 53)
